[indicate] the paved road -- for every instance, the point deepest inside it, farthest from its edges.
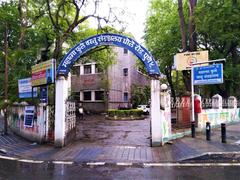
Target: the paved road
(96, 130)
(119, 141)
(21, 170)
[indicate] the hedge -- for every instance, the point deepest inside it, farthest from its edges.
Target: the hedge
(125, 113)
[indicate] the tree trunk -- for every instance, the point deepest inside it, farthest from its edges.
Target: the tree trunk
(187, 80)
(22, 9)
(191, 26)
(58, 49)
(182, 26)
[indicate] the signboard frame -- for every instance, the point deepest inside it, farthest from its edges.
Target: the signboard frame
(44, 73)
(212, 74)
(182, 61)
(29, 116)
(25, 89)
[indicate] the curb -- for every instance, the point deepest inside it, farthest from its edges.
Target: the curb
(129, 164)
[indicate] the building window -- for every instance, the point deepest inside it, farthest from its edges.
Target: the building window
(87, 69)
(125, 51)
(125, 96)
(75, 70)
(125, 71)
(99, 95)
(87, 96)
(98, 69)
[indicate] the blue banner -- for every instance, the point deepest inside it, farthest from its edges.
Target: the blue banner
(212, 74)
(25, 88)
(108, 39)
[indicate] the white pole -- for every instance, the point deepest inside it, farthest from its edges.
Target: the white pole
(192, 93)
(60, 110)
(156, 120)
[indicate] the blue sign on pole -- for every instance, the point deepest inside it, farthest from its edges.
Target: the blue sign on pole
(212, 74)
(44, 94)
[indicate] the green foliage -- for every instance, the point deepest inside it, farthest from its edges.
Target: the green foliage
(125, 113)
(19, 60)
(162, 32)
(217, 27)
(42, 33)
(163, 38)
(140, 95)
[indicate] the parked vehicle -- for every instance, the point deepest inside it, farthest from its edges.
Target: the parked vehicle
(144, 108)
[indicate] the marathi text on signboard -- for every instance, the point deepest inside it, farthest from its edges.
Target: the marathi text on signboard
(185, 60)
(25, 89)
(29, 116)
(212, 74)
(108, 39)
(43, 73)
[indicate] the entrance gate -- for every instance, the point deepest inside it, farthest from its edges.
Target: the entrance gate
(91, 43)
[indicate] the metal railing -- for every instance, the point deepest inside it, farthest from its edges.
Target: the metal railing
(70, 116)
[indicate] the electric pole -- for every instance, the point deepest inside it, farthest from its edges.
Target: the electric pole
(6, 80)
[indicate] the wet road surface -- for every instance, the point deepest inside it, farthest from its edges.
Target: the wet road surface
(20, 170)
(96, 130)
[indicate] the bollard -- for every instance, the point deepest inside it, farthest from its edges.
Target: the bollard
(193, 129)
(208, 131)
(223, 132)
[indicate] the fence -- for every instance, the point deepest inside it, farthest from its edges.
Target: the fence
(70, 120)
(181, 109)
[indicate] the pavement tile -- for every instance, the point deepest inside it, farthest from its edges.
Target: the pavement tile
(122, 144)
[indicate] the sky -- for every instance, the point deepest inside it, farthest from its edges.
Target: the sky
(134, 15)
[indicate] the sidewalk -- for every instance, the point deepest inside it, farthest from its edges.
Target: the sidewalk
(82, 152)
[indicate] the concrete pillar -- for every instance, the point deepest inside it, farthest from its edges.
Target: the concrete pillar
(92, 95)
(217, 102)
(93, 66)
(60, 109)
(232, 102)
(156, 122)
(81, 95)
(81, 69)
(165, 110)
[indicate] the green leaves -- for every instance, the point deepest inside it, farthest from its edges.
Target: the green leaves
(218, 30)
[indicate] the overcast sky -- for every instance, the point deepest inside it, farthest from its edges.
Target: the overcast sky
(134, 16)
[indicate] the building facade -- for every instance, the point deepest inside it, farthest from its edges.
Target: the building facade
(88, 83)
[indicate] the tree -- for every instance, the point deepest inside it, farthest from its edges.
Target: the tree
(207, 25)
(218, 28)
(162, 35)
(68, 17)
(140, 95)
(39, 30)
(189, 40)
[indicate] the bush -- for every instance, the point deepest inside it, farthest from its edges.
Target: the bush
(125, 113)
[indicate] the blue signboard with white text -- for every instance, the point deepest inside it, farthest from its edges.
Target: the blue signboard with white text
(111, 40)
(25, 89)
(29, 116)
(212, 74)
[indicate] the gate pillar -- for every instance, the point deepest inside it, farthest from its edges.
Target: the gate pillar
(156, 121)
(60, 110)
